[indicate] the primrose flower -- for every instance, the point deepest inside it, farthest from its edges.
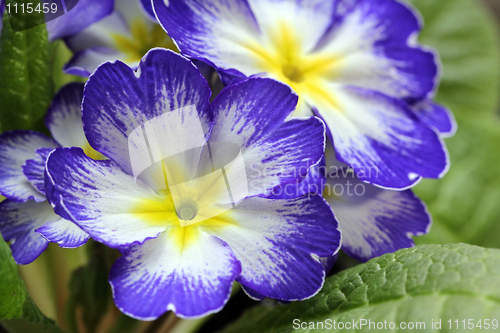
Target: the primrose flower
(373, 221)
(186, 234)
(79, 15)
(26, 218)
(354, 63)
(125, 35)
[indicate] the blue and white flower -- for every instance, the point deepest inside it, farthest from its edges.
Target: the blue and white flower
(272, 247)
(126, 35)
(373, 221)
(354, 63)
(435, 116)
(27, 220)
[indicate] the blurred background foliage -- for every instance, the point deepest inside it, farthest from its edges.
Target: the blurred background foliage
(465, 204)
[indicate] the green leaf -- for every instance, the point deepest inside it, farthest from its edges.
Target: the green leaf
(466, 37)
(23, 326)
(424, 284)
(15, 301)
(27, 87)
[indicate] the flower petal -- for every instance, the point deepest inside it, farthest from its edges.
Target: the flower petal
(308, 20)
(436, 116)
(374, 42)
(375, 221)
(100, 34)
(382, 140)
(132, 10)
(253, 294)
(312, 183)
(279, 242)
(369, 44)
(216, 32)
(63, 232)
(97, 44)
(64, 117)
(18, 222)
(98, 196)
(16, 148)
(34, 169)
(192, 279)
(232, 34)
(165, 82)
(147, 7)
(246, 112)
(86, 62)
(2, 8)
(328, 262)
(252, 115)
(79, 17)
(129, 31)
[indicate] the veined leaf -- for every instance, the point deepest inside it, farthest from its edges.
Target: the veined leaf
(26, 85)
(425, 285)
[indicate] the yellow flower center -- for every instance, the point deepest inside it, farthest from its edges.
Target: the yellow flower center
(293, 73)
(186, 213)
(160, 210)
(283, 58)
(194, 202)
(142, 38)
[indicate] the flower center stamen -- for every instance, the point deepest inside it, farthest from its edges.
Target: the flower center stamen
(293, 73)
(186, 213)
(141, 40)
